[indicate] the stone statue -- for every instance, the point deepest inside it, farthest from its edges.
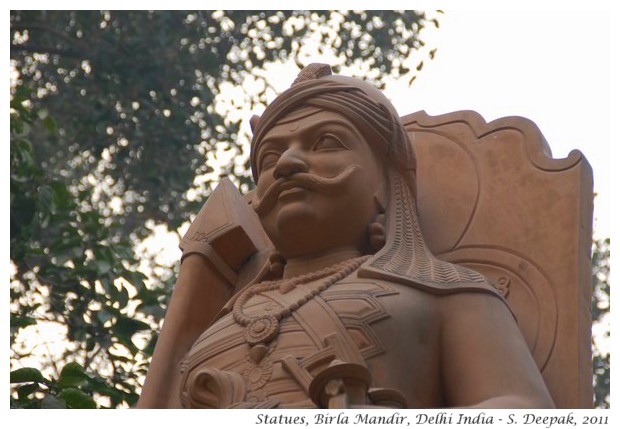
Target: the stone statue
(319, 290)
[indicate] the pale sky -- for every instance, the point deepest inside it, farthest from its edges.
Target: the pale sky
(550, 67)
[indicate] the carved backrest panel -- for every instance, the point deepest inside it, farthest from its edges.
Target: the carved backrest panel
(490, 197)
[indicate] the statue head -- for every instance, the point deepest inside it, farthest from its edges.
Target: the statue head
(319, 154)
(334, 166)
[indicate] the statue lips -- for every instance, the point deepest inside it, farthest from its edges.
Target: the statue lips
(291, 190)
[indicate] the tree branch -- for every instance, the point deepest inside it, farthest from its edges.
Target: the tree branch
(40, 26)
(88, 359)
(51, 357)
(46, 50)
(112, 362)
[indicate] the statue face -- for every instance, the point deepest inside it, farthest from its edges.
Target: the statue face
(317, 182)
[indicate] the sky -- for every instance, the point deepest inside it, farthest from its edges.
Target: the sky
(550, 67)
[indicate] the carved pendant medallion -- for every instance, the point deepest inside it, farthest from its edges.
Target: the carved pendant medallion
(261, 330)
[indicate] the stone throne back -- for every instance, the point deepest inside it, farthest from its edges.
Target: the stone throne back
(491, 197)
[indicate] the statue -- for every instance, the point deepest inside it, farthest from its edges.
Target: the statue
(319, 289)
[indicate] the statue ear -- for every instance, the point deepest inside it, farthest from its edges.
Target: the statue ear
(376, 229)
(380, 202)
(254, 122)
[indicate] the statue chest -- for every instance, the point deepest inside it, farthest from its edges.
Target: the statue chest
(271, 350)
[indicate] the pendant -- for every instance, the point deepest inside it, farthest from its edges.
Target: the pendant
(257, 371)
(256, 375)
(261, 329)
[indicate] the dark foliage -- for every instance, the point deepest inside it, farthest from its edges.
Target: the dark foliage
(112, 117)
(600, 310)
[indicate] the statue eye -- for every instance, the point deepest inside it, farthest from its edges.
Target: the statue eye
(328, 142)
(268, 160)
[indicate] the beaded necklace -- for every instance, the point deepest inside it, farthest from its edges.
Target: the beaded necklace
(263, 328)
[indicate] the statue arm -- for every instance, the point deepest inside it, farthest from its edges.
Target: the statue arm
(224, 249)
(199, 294)
(485, 360)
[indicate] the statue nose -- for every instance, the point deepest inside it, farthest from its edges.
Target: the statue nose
(291, 161)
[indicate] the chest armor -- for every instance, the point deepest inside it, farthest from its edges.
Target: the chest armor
(317, 357)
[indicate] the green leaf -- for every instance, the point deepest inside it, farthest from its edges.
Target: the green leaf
(103, 266)
(126, 327)
(150, 347)
(75, 398)
(103, 316)
(101, 387)
(90, 344)
(46, 196)
(25, 129)
(136, 279)
(62, 196)
(47, 205)
(21, 321)
(73, 369)
(50, 124)
(26, 389)
(123, 298)
(24, 152)
(24, 375)
(73, 375)
(72, 381)
(52, 402)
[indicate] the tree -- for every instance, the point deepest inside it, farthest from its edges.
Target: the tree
(600, 311)
(69, 272)
(112, 117)
(133, 92)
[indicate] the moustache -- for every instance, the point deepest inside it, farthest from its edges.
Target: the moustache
(302, 180)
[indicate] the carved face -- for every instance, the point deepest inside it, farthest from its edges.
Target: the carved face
(317, 182)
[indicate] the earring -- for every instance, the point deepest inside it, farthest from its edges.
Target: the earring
(376, 230)
(376, 233)
(276, 265)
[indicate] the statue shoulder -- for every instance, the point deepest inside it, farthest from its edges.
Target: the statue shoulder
(466, 280)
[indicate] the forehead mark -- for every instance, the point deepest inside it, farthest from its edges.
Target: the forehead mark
(293, 126)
